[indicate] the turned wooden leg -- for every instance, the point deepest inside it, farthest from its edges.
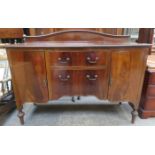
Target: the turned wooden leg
(21, 115)
(134, 115)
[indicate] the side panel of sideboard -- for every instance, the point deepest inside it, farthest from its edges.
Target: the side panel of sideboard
(28, 75)
(127, 74)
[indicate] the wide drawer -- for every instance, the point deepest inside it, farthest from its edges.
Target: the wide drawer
(77, 57)
(78, 82)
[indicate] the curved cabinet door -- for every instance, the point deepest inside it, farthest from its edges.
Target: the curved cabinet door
(29, 75)
(127, 73)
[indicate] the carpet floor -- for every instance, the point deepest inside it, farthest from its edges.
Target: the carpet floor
(87, 112)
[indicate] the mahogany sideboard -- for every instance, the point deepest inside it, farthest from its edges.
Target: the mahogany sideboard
(77, 63)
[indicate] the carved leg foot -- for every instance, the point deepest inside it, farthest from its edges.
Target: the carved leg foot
(78, 98)
(73, 99)
(134, 115)
(21, 115)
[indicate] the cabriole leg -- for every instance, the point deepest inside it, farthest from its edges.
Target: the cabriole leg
(134, 113)
(21, 115)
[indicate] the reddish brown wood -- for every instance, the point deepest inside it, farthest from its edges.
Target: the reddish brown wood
(78, 82)
(117, 74)
(79, 35)
(74, 57)
(127, 72)
(41, 31)
(11, 33)
(29, 75)
(146, 36)
(77, 69)
(147, 103)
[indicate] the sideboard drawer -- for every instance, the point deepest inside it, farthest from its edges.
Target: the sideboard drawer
(149, 103)
(151, 90)
(87, 57)
(62, 83)
(94, 82)
(152, 78)
(78, 82)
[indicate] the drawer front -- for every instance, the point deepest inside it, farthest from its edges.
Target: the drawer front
(78, 82)
(149, 103)
(151, 91)
(94, 82)
(152, 78)
(62, 83)
(86, 57)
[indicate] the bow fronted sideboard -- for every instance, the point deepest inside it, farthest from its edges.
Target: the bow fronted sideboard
(77, 63)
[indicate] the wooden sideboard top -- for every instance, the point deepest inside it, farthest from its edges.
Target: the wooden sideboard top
(76, 39)
(73, 44)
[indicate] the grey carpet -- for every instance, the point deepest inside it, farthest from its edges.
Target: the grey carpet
(87, 112)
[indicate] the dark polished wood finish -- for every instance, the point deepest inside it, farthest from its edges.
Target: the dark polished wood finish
(147, 103)
(79, 35)
(127, 72)
(146, 36)
(78, 63)
(29, 75)
(11, 33)
(42, 31)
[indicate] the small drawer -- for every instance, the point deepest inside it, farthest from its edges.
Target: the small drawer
(152, 78)
(151, 90)
(93, 58)
(77, 57)
(63, 83)
(149, 103)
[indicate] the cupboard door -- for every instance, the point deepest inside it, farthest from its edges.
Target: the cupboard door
(127, 73)
(29, 75)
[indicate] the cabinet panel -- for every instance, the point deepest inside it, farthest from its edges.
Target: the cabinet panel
(127, 73)
(29, 75)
